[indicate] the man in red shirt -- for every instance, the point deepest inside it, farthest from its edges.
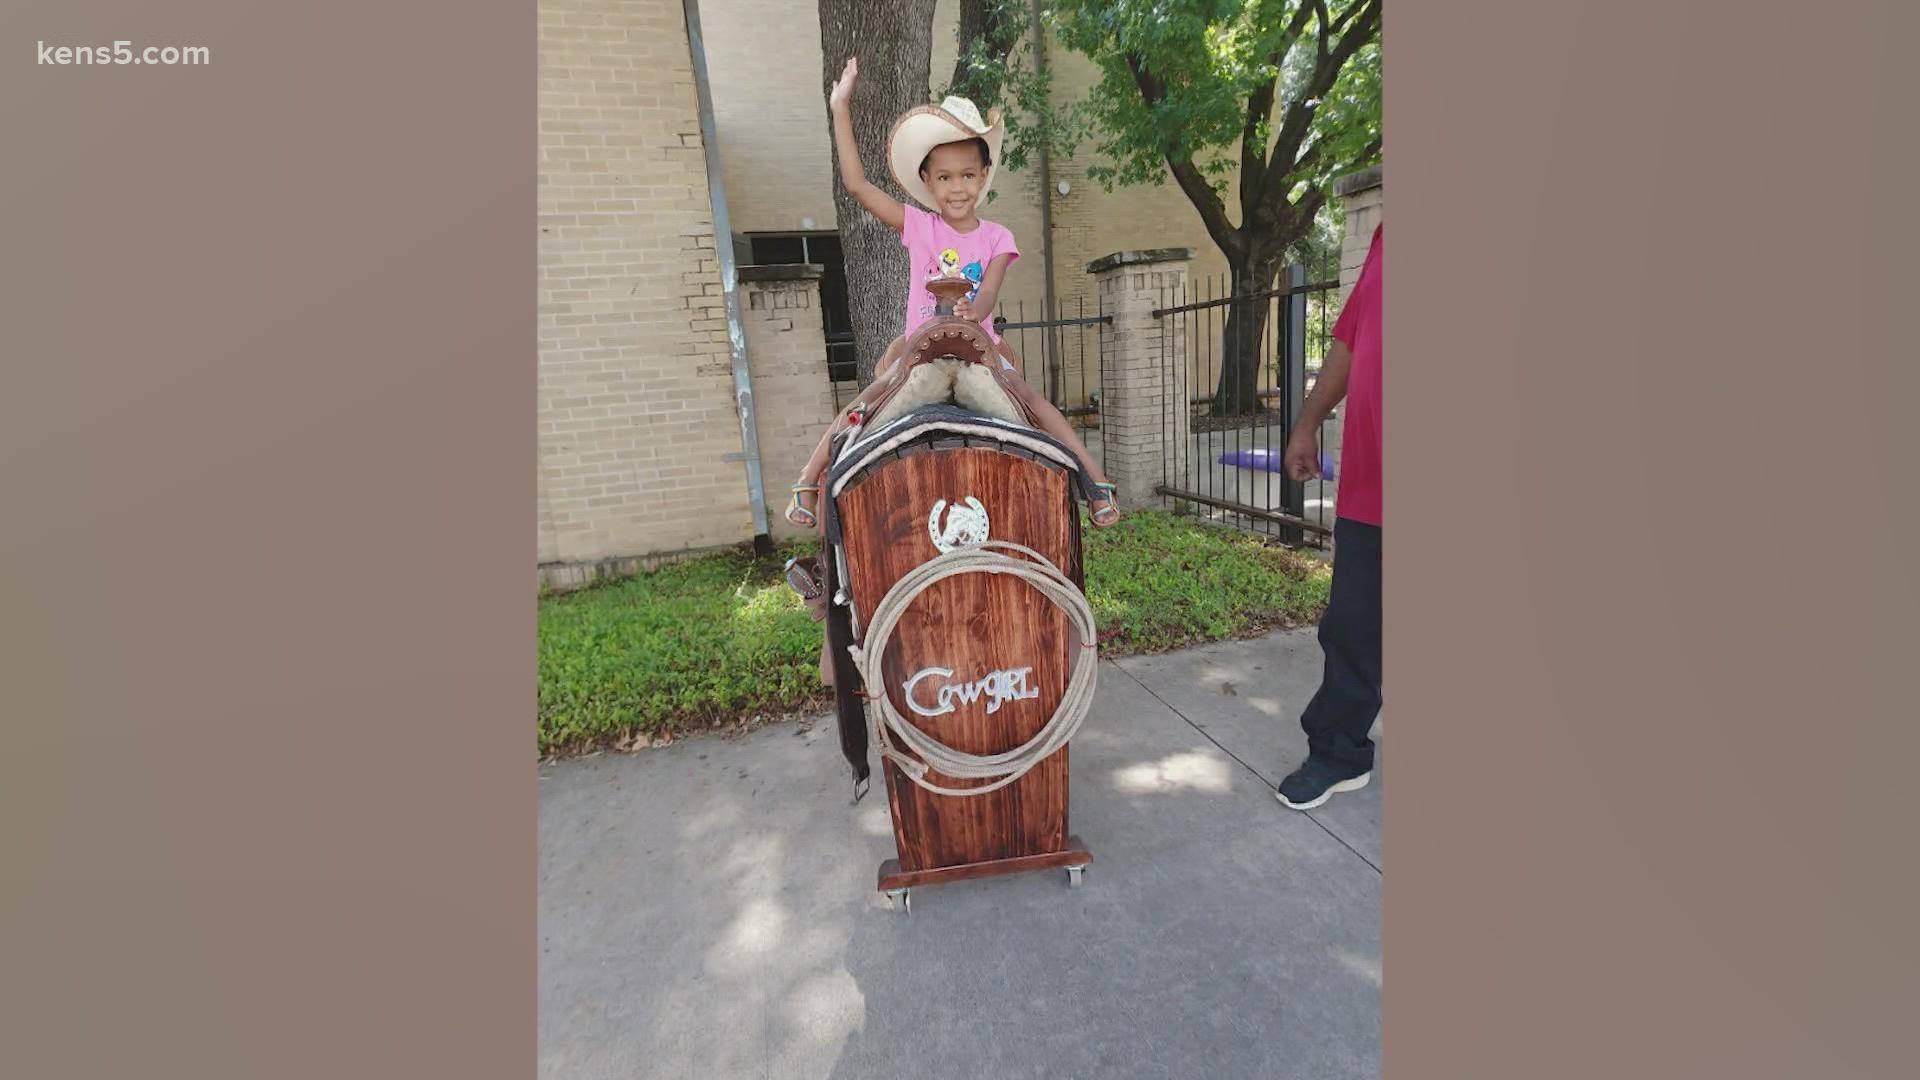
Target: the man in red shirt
(1340, 716)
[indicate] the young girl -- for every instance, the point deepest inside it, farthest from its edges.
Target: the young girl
(943, 158)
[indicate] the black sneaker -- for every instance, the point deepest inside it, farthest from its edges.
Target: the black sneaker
(1316, 781)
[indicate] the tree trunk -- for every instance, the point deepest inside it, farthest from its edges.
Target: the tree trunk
(894, 42)
(1247, 350)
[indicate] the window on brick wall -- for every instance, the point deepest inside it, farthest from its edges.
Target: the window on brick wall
(820, 249)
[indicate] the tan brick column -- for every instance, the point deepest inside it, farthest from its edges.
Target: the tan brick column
(1144, 417)
(793, 401)
(1363, 196)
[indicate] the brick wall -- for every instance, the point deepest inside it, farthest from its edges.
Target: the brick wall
(639, 441)
(792, 399)
(770, 113)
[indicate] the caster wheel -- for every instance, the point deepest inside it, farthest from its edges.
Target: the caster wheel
(1073, 876)
(900, 900)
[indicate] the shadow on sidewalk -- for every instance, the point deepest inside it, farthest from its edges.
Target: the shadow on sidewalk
(709, 910)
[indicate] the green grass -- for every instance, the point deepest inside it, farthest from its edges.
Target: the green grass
(689, 645)
(715, 639)
(1160, 581)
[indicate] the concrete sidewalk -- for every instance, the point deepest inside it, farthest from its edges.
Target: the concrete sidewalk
(708, 910)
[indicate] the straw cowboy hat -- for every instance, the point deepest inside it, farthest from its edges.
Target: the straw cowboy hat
(927, 126)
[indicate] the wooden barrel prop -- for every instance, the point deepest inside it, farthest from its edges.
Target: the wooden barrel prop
(977, 661)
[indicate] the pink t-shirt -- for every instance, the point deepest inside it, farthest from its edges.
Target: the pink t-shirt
(1359, 328)
(934, 249)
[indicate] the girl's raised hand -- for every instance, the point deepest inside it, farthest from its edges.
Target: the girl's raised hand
(843, 87)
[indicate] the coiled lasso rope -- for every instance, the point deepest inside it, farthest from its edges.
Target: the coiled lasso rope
(1005, 768)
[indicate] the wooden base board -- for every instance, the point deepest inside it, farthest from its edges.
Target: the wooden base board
(1074, 854)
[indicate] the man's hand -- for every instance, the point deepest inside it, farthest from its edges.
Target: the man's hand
(842, 91)
(1302, 457)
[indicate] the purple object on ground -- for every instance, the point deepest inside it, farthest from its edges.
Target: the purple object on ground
(1253, 459)
(1269, 461)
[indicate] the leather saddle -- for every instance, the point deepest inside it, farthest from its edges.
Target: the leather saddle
(948, 358)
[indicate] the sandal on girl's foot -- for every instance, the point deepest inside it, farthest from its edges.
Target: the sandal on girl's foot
(800, 515)
(1105, 508)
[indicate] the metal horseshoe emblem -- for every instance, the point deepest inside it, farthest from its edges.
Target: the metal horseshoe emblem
(965, 524)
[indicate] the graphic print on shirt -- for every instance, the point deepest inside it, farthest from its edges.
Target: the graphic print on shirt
(973, 273)
(939, 252)
(949, 266)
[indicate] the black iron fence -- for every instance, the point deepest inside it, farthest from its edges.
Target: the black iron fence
(1064, 358)
(1247, 361)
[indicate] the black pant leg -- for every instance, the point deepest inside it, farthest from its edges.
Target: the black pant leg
(1342, 711)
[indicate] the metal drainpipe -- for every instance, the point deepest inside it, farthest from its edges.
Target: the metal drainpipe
(729, 287)
(1046, 217)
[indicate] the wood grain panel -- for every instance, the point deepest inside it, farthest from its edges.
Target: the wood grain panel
(973, 624)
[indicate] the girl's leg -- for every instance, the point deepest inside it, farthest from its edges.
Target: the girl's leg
(802, 507)
(1105, 510)
(802, 512)
(809, 483)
